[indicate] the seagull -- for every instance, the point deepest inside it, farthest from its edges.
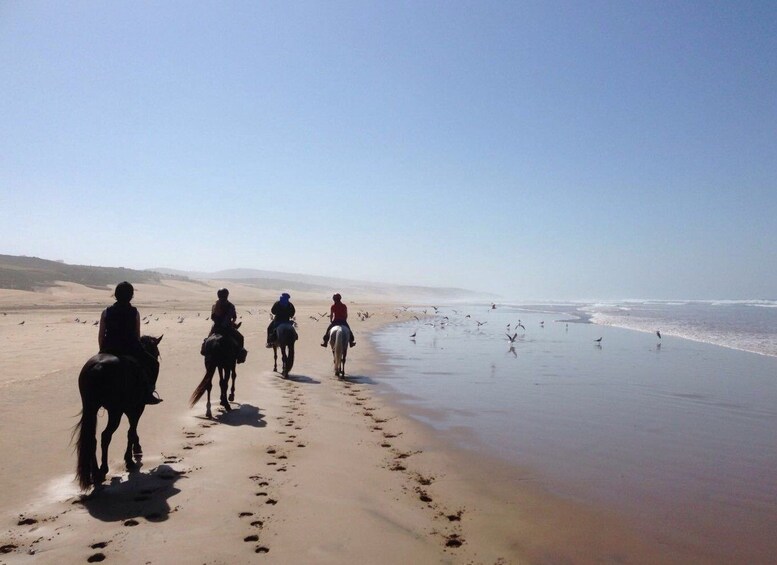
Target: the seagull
(480, 323)
(598, 340)
(512, 337)
(21, 323)
(658, 333)
(520, 325)
(413, 336)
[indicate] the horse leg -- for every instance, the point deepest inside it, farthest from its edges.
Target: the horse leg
(275, 358)
(284, 361)
(210, 371)
(223, 385)
(114, 418)
(132, 441)
(232, 391)
(137, 450)
(342, 366)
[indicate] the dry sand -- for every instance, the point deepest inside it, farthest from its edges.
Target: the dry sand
(311, 469)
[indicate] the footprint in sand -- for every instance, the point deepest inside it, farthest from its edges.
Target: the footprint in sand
(262, 549)
(100, 545)
(454, 540)
(252, 537)
(131, 522)
(26, 521)
(7, 548)
(455, 517)
(244, 514)
(96, 558)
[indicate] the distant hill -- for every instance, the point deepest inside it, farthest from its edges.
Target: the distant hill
(326, 285)
(29, 273)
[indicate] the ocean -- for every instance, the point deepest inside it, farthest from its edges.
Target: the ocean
(677, 433)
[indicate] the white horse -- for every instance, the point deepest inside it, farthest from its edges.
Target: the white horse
(339, 338)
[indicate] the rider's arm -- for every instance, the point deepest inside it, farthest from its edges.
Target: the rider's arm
(137, 325)
(331, 313)
(101, 331)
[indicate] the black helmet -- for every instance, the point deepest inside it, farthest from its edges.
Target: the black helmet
(124, 292)
(222, 293)
(337, 297)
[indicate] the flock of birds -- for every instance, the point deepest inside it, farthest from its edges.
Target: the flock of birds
(511, 337)
(365, 315)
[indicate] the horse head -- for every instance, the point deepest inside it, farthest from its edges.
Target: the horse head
(151, 344)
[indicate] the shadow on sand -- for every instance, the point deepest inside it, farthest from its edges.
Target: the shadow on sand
(141, 495)
(243, 415)
(359, 380)
(302, 379)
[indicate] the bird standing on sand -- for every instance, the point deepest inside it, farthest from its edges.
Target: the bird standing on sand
(512, 337)
(658, 333)
(598, 340)
(413, 336)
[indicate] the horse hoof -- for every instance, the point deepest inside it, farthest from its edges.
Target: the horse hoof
(209, 415)
(232, 397)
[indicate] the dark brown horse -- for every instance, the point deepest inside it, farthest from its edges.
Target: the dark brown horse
(285, 336)
(120, 385)
(220, 353)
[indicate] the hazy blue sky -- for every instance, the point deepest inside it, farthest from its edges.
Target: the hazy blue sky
(534, 149)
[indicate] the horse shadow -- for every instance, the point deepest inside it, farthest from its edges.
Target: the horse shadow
(243, 415)
(359, 379)
(142, 495)
(303, 379)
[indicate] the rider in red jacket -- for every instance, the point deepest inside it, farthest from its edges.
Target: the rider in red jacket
(338, 314)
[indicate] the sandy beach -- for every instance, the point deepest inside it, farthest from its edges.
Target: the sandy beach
(309, 469)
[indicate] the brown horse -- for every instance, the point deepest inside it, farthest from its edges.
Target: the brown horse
(285, 336)
(220, 353)
(118, 384)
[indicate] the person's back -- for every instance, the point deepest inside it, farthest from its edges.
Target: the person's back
(120, 335)
(223, 313)
(283, 311)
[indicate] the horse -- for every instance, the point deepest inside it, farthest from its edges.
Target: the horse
(339, 338)
(119, 385)
(220, 353)
(286, 335)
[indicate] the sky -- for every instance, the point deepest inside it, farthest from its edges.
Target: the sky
(537, 150)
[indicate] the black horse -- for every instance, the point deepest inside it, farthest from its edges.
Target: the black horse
(285, 336)
(220, 353)
(118, 384)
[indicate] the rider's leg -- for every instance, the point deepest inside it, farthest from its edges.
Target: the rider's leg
(352, 343)
(326, 335)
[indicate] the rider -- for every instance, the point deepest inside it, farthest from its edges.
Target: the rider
(119, 334)
(283, 311)
(338, 314)
(224, 315)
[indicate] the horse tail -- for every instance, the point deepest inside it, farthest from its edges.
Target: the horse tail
(86, 429)
(203, 386)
